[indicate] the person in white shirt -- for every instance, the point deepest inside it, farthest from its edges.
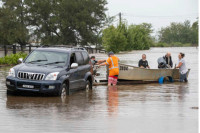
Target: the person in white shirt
(182, 68)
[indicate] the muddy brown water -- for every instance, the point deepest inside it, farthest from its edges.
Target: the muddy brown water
(144, 108)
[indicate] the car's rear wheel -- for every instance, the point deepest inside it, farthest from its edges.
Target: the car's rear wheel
(64, 90)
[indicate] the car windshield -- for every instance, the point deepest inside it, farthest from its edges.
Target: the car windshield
(47, 58)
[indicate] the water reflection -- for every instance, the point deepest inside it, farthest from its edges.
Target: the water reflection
(70, 107)
(21, 102)
(183, 90)
(112, 100)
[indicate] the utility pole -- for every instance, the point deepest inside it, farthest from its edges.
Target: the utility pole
(120, 18)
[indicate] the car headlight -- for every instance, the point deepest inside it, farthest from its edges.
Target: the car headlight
(52, 76)
(11, 72)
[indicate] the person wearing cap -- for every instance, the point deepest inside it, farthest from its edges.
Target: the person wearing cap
(112, 63)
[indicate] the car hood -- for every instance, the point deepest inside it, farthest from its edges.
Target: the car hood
(36, 68)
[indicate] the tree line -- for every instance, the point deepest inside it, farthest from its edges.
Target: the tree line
(178, 34)
(127, 38)
(139, 37)
(83, 22)
(67, 22)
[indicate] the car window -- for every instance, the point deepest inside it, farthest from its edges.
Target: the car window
(85, 57)
(79, 58)
(72, 59)
(47, 57)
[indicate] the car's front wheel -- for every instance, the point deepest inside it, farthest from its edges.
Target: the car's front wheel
(11, 92)
(64, 90)
(88, 85)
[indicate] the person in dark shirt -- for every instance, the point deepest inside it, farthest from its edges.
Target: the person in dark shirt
(95, 62)
(168, 60)
(143, 63)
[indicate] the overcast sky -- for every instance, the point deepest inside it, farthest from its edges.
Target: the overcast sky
(157, 12)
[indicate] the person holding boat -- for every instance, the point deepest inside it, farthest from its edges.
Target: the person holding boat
(182, 68)
(112, 63)
(168, 59)
(143, 63)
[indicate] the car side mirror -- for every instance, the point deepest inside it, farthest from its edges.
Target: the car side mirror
(20, 60)
(74, 65)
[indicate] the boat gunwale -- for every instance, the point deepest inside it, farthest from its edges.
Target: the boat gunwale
(150, 68)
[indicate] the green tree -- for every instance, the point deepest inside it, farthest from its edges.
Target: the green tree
(195, 31)
(13, 25)
(52, 21)
(67, 21)
(126, 38)
(139, 37)
(113, 39)
(179, 33)
(123, 28)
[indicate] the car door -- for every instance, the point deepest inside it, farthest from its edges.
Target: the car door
(87, 66)
(81, 72)
(74, 74)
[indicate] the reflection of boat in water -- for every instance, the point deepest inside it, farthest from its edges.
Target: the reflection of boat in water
(130, 74)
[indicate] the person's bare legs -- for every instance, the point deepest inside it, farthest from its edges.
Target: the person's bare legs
(109, 84)
(109, 81)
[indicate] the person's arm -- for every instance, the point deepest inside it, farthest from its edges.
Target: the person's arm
(148, 65)
(139, 64)
(96, 62)
(179, 65)
(105, 63)
(171, 62)
(100, 61)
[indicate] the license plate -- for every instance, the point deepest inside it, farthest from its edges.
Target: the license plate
(28, 86)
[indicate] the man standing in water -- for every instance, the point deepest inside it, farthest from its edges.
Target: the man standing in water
(112, 63)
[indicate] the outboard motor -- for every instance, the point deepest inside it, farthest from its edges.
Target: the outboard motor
(161, 63)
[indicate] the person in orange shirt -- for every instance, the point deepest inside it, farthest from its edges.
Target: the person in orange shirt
(112, 63)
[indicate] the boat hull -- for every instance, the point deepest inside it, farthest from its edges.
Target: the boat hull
(127, 72)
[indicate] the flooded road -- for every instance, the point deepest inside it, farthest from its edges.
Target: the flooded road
(146, 108)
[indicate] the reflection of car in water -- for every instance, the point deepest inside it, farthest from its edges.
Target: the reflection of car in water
(51, 107)
(51, 70)
(20, 102)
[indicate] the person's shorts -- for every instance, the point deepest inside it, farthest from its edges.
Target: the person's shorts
(112, 80)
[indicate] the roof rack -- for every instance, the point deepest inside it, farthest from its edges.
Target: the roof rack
(44, 46)
(79, 48)
(63, 46)
(66, 46)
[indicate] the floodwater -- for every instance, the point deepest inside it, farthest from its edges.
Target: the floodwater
(144, 108)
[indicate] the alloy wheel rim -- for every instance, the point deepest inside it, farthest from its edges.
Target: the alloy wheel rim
(63, 92)
(87, 87)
